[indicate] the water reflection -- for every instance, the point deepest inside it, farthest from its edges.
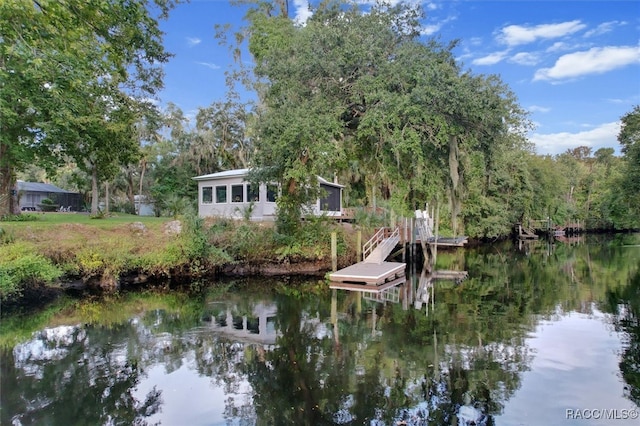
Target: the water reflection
(512, 338)
(256, 326)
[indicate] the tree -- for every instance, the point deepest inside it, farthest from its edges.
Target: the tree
(351, 87)
(61, 59)
(629, 138)
(220, 141)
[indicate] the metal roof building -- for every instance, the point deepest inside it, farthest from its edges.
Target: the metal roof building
(31, 194)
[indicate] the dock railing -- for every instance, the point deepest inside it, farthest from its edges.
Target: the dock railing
(424, 223)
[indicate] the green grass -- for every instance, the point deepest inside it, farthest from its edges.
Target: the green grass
(45, 220)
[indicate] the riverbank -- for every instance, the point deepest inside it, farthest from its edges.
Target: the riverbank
(42, 252)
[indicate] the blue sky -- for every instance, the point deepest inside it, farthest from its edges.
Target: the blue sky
(574, 64)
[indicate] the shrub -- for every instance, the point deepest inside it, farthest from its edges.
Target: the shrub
(22, 217)
(196, 244)
(20, 267)
(47, 205)
(99, 215)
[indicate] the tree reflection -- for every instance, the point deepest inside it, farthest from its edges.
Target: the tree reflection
(327, 360)
(67, 375)
(624, 303)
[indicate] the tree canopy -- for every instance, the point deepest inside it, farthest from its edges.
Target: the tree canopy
(352, 87)
(355, 93)
(68, 68)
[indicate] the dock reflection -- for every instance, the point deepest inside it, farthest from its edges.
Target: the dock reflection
(410, 290)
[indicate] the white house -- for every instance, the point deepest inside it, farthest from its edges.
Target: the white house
(228, 194)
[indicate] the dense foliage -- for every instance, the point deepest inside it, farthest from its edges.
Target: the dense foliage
(75, 78)
(358, 96)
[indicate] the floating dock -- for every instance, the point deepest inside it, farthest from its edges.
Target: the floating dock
(369, 273)
(367, 288)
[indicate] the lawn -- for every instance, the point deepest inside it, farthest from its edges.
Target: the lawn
(48, 220)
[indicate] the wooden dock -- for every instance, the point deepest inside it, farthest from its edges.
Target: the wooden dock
(367, 288)
(445, 274)
(369, 273)
(524, 233)
(448, 241)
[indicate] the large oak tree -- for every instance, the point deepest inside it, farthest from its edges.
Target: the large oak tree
(366, 97)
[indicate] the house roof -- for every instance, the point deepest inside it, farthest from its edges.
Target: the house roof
(326, 182)
(244, 172)
(220, 175)
(39, 187)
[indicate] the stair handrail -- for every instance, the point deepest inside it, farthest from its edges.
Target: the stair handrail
(390, 240)
(385, 243)
(384, 237)
(372, 243)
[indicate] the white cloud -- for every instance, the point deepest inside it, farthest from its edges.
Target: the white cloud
(538, 108)
(525, 58)
(302, 11)
(597, 60)
(427, 30)
(603, 136)
(193, 41)
(604, 28)
(491, 59)
(514, 35)
(209, 65)
(559, 46)
(431, 6)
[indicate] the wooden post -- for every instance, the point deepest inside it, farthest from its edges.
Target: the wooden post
(435, 234)
(412, 241)
(404, 241)
(359, 245)
(334, 251)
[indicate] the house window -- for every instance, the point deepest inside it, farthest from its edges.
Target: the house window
(237, 193)
(253, 193)
(272, 193)
(207, 194)
(221, 194)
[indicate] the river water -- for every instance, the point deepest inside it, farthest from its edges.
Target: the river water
(545, 333)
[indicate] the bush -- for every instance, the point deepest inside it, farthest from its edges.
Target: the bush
(47, 205)
(22, 217)
(196, 245)
(368, 218)
(20, 267)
